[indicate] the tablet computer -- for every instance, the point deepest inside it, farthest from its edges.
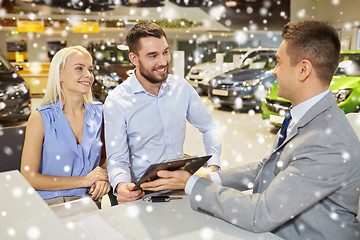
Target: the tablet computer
(190, 164)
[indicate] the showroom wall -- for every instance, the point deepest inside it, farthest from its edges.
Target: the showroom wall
(342, 14)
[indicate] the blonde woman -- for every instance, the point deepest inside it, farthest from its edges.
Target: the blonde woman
(62, 147)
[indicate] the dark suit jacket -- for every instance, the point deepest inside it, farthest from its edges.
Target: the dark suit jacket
(308, 188)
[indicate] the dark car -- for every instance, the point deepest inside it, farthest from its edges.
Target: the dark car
(244, 88)
(112, 67)
(14, 94)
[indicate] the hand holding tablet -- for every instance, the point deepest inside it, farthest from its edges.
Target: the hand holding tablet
(190, 164)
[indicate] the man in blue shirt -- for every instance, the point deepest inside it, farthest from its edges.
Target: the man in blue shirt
(145, 116)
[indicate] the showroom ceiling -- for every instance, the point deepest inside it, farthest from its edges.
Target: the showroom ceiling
(201, 14)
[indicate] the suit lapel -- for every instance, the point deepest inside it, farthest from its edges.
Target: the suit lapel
(270, 169)
(326, 102)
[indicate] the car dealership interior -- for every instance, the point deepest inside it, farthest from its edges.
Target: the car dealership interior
(210, 42)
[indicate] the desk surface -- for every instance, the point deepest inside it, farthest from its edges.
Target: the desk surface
(174, 220)
(23, 213)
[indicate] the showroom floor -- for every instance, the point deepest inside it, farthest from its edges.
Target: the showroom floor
(245, 137)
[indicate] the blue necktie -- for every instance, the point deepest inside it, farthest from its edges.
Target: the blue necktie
(284, 127)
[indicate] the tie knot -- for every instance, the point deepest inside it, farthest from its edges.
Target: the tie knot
(287, 119)
(288, 115)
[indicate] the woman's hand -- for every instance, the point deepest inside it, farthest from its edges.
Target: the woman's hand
(99, 189)
(98, 174)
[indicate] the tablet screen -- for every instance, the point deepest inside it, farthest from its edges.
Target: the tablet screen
(190, 164)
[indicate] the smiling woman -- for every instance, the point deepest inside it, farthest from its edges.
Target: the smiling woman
(62, 148)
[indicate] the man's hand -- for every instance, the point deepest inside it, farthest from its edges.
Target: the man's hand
(169, 180)
(213, 168)
(124, 193)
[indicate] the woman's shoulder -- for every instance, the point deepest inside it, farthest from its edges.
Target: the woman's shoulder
(97, 104)
(51, 107)
(42, 108)
(96, 108)
(35, 120)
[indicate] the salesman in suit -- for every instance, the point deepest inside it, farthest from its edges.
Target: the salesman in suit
(308, 187)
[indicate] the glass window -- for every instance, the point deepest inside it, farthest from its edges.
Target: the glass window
(349, 65)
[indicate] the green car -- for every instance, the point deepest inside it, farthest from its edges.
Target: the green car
(345, 86)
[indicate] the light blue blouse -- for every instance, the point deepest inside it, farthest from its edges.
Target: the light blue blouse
(61, 155)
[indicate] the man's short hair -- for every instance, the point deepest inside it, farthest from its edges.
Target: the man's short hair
(315, 41)
(140, 30)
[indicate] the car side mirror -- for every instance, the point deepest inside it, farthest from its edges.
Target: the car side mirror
(18, 68)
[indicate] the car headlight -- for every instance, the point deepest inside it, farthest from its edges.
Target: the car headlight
(195, 71)
(18, 89)
(108, 82)
(251, 83)
(214, 82)
(341, 95)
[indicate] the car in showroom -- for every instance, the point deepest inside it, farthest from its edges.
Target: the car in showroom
(345, 86)
(200, 74)
(244, 88)
(244, 3)
(15, 103)
(112, 67)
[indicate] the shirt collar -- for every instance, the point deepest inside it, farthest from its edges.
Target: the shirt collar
(58, 105)
(136, 86)
(299, 110)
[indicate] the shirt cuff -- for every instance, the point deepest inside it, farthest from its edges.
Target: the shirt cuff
(190, 184)
(215, 177)
(118, 179)
(214, 160)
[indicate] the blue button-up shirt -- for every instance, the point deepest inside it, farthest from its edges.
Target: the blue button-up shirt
(142, 129)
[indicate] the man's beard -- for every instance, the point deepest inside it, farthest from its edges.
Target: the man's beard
(151, 78)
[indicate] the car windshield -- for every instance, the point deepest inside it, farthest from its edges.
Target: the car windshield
(118, 54)
(229, 56)
(4, 65)
(264, 63)
(349, 65)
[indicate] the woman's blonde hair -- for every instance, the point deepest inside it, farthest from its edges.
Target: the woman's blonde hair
(53, 91)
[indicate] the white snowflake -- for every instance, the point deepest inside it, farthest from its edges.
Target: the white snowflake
(132, 211)
(206, 233)
(33, 232)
